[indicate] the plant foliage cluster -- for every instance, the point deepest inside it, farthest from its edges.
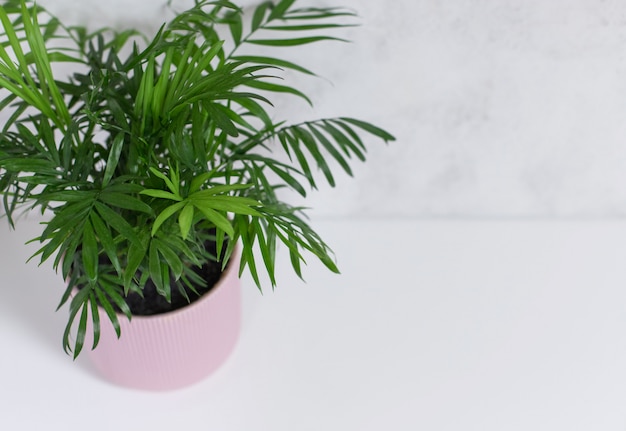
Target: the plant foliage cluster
(155, 145)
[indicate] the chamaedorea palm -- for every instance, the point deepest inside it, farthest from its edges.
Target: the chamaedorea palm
(156, 145)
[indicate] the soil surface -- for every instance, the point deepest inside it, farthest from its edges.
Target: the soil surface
(153, 303)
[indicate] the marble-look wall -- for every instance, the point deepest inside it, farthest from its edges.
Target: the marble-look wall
(501, 107)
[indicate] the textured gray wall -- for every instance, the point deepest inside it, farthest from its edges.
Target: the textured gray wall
(500, 107)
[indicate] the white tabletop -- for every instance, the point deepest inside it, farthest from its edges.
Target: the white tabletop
(433, 325)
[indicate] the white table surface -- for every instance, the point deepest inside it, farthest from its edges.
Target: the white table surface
(433, 325)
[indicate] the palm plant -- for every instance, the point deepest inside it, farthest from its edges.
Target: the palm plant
(156, 146)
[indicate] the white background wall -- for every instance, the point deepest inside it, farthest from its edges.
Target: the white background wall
(501, 107)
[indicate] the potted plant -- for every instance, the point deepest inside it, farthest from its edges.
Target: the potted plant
(158, 162)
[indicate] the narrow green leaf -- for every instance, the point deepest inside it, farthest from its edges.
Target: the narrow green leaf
(161, 86)
(222, 120)
(7, 101)
(268, 86)
(125, 201)
(160, 194)
(116, 221)
(219, 246)
(50, 28)
(180, 245)
(259, 15)
(81, 331)
(170, 185)
(280, 9)
(185, 219)
(90, 252)
(69, 289)
(255, 109)
(377, 131)
(317, 13)
(287, 178)
(58, 57)
(295, 257)
(156, 273)
(136, 255)
(273, 62)
(147, 95)
(199, 181)
(106, 239)
(220, 189)
(54, 243)
(266, 252)
(76, 196)
(95, 319)
(110, 311)
(307, 27)
(247, 256)
(113, 159)
(170, 256)
(47, 136)
(68, 256)
(216, 218)
(67, 217)
(228, 205)
(79, 301)
(29, 165)
(329, 263)
(165, 214)
(111, 291)
(235, 25)
(294, 42)
(167, 285)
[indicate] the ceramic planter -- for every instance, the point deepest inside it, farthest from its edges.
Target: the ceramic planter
(175, 349)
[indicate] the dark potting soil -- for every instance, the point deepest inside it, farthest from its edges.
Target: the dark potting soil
(154, 303)
(151, 302)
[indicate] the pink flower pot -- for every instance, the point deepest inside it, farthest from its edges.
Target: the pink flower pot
(176, 349)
